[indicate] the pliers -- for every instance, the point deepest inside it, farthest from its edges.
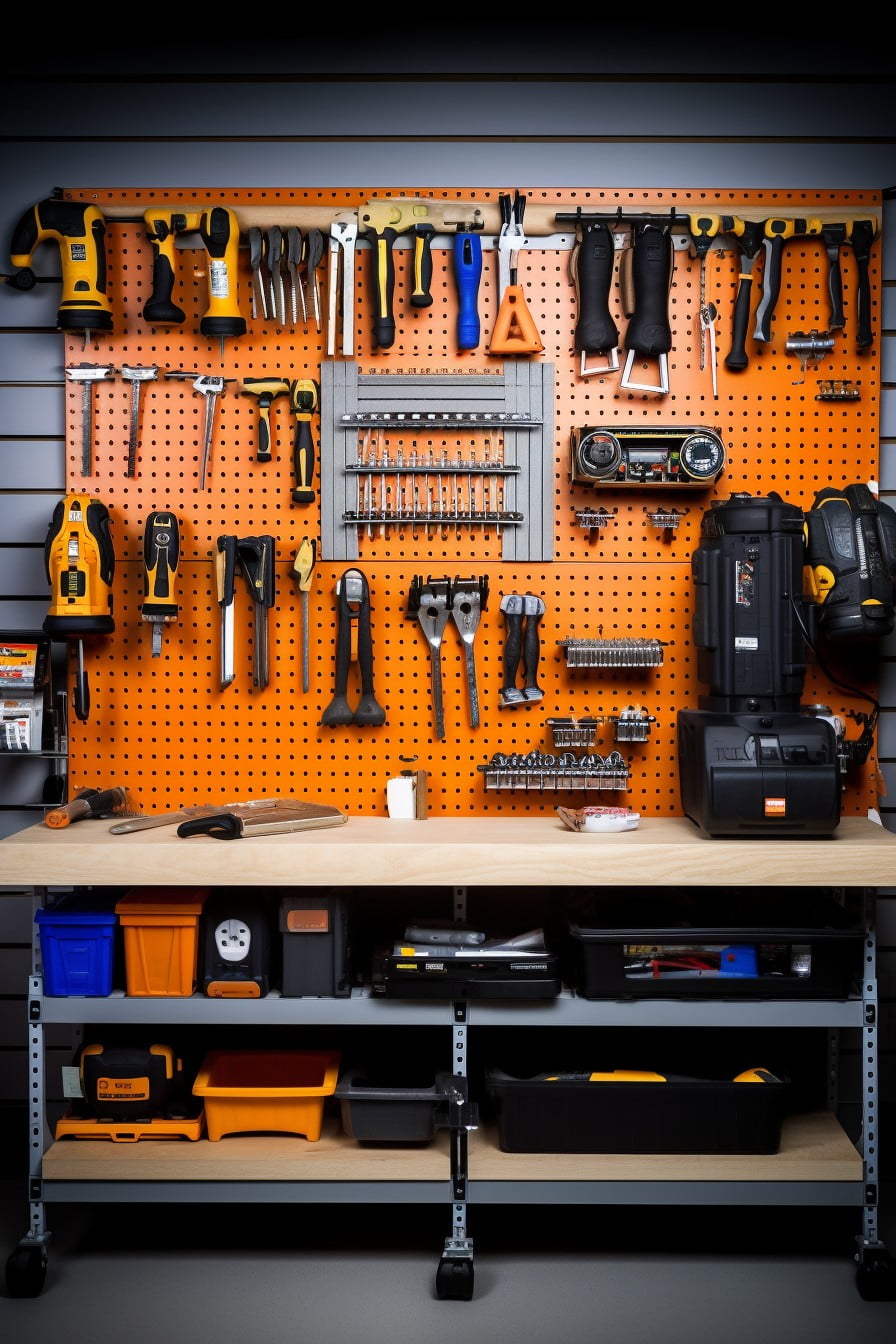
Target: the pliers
(511, 239)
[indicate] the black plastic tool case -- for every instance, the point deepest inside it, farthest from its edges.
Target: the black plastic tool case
(434, 977)
(692, 1115)
(795, 945)
(391, 1107)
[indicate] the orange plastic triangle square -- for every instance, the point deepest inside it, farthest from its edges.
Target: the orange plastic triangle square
(515, 333)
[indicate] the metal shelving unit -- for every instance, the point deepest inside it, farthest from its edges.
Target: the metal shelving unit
(818, 1163)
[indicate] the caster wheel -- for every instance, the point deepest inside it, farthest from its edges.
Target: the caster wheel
(26, 1270)
(454, 1280)
(876, 1277)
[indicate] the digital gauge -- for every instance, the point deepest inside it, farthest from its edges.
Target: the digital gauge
(702, 456)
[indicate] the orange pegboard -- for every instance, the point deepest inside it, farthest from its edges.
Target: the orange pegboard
(162, 725)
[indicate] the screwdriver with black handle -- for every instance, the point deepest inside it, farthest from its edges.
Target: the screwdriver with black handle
(304, 399)
(860, 235)
(161, 560)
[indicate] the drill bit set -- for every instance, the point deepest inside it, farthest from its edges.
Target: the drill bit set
(427, 491)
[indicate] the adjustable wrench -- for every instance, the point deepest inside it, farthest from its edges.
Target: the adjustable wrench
(343, 238)
(210, 386)
(468, 598)
(430, 604)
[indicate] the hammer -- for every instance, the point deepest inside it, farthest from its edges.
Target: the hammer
(266, 388)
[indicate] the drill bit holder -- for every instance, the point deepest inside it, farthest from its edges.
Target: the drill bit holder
(613, 652)
(542, 770)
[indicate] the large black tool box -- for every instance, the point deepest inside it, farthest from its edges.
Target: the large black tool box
(587, 1113)
(512, 975)
(790, 944)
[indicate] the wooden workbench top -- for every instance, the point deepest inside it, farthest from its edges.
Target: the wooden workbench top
(448, 851)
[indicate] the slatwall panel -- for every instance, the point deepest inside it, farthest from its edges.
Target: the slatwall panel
(163, 727)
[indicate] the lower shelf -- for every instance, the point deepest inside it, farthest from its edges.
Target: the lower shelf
(814, 1149)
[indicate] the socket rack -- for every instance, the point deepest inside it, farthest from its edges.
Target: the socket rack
(612, 567)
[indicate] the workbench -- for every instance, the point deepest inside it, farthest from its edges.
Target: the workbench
(818, 1163)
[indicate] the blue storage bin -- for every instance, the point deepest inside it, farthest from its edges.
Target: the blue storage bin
(77, 948)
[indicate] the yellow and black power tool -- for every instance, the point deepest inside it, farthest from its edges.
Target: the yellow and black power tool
(80, 231)
(217, 229)
(80, 563)
(850, 564)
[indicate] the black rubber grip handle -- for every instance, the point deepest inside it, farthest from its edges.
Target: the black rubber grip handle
(861, 237)
(382, 269)
(303, 463)
(737, 358)
(649, 332)
(513, 641)
(421, 293)
(160, 309)
(593, 262)
(222, 826)
(532, 650)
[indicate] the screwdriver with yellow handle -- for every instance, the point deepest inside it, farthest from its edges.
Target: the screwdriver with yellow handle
(161, 560)
(302, 569)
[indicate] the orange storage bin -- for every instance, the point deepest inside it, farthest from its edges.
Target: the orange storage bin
(249, 1091)
(161, 940)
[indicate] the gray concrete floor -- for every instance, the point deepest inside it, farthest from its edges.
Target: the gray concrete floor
(337, 1273)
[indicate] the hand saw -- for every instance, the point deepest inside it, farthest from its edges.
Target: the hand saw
(264, 816)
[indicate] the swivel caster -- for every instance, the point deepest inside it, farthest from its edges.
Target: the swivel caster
(454, 1279)
(876, 1276)
(26, 1270)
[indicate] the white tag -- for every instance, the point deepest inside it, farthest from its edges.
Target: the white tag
(71, 1082)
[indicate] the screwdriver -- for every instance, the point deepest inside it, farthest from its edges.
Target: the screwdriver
(304, 399)
(161, 559)
(302, 569)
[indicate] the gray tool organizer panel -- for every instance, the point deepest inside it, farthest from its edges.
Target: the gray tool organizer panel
(524, 390)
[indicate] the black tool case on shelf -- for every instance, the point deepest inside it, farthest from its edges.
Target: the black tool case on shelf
(236, 945)
(794, 944)
(510, 976)
(393, 1106)
(572, 1114)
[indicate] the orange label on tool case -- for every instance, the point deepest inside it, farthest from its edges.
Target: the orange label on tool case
(308, 921)
(775, 807)
(122, 1089)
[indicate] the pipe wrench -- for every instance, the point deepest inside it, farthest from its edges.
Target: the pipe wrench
(341, 296)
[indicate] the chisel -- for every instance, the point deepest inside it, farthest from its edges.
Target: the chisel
(302, 569)
(225, 573)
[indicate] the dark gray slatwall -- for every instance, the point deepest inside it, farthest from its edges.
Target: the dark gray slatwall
(367, 110)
